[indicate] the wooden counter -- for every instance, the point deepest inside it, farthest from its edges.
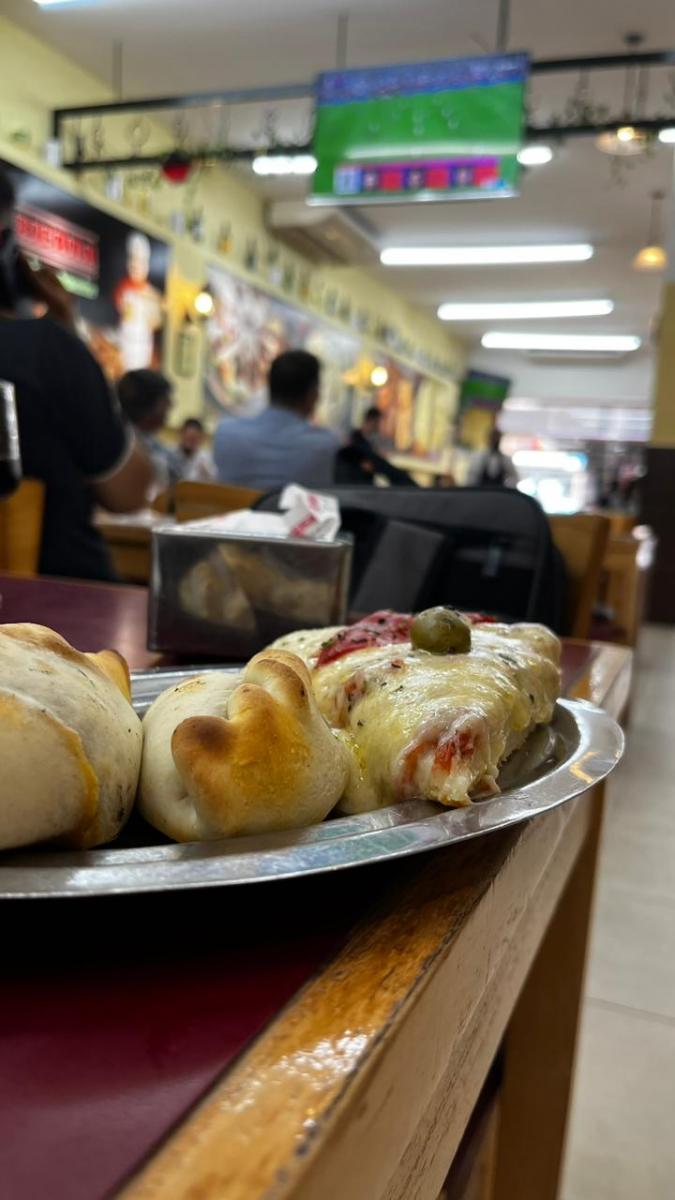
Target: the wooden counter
(326, 1039)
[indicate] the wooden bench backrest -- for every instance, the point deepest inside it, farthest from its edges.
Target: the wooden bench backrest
(21, 528)
(195, 500)
(581, 539)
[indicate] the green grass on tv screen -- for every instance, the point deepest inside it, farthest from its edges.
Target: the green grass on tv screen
(415, 126)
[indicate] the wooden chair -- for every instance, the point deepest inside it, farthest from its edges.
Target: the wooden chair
(21, 528)
(163, 502)
(627, 567)
(196, 500)
(129, 543)
(582, 541)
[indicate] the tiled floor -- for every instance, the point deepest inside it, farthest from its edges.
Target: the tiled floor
(622, 1136)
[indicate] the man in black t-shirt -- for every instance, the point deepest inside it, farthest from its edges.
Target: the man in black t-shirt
(71, 432)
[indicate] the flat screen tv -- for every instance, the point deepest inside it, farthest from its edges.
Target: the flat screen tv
(423, 131)
(480, 390)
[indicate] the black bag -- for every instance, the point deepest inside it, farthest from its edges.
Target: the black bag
(479, 549)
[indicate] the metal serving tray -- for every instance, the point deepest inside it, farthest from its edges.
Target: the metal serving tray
(580, 747)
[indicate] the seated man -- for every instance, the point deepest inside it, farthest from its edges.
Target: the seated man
(280, 445)
(194, 459)
(360, 461)
(71, 432)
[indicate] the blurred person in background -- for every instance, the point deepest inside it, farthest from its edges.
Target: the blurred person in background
(360, 460)
(72, 435)
(280, 445)
(145, 398)
(194, 459)
(491, 467)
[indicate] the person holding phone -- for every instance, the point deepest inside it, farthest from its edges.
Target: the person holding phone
(71, 431)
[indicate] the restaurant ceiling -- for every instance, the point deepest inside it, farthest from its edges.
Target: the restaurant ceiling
(169, 46)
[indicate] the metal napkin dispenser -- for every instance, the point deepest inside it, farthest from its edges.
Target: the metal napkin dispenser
(226, 595)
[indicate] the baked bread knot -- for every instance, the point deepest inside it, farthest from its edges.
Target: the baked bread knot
(241, 754)
(70, 742)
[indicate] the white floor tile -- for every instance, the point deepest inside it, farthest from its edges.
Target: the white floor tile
(621, 1143)
(640, 855)
(632, 960)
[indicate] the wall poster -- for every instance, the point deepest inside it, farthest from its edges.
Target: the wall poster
(249, 328)
(117, 273)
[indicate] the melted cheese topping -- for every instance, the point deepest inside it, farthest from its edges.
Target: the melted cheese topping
(433, 726)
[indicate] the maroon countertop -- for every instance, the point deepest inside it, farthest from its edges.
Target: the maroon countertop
(93, 616)
(119, 1013)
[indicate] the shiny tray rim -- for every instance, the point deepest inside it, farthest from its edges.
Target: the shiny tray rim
(590, 743)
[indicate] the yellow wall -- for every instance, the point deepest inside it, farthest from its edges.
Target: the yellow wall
(663, 427)
(34, 79)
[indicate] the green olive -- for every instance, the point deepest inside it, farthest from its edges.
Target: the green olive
(441, 631)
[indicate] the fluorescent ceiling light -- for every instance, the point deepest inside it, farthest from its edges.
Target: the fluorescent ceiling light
(284, 164)
(477, 256)
(618, 343)
(531, 310)
(556, 460)
(534, 156)
(667, 135)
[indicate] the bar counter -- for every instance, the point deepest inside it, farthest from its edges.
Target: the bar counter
(314, 1039)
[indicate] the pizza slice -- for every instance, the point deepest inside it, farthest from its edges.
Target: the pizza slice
(430, 706)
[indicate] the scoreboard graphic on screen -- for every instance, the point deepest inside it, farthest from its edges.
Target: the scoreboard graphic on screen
(423, 131)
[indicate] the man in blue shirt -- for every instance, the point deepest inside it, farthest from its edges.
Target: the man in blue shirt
(279, 446)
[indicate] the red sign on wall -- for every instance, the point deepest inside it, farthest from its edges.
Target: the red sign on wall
(57, 243)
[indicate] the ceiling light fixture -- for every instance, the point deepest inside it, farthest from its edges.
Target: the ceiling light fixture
(482, 256)
(534, 156)
(613, 343)
(536, 309)
(624, 142)
(379, 376)
(667, 135)
(284, 164)
(652, 256)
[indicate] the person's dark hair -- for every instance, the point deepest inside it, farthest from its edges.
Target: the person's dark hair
(293, 378)
(193, 423)
(7, 198)
(140, 391)
(373, 413)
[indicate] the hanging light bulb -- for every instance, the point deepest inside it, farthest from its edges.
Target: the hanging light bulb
(652, 256)
(623, 142)
(627, 139)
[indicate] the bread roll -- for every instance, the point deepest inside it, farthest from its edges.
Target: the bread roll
(228, 754)
(70, 742)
